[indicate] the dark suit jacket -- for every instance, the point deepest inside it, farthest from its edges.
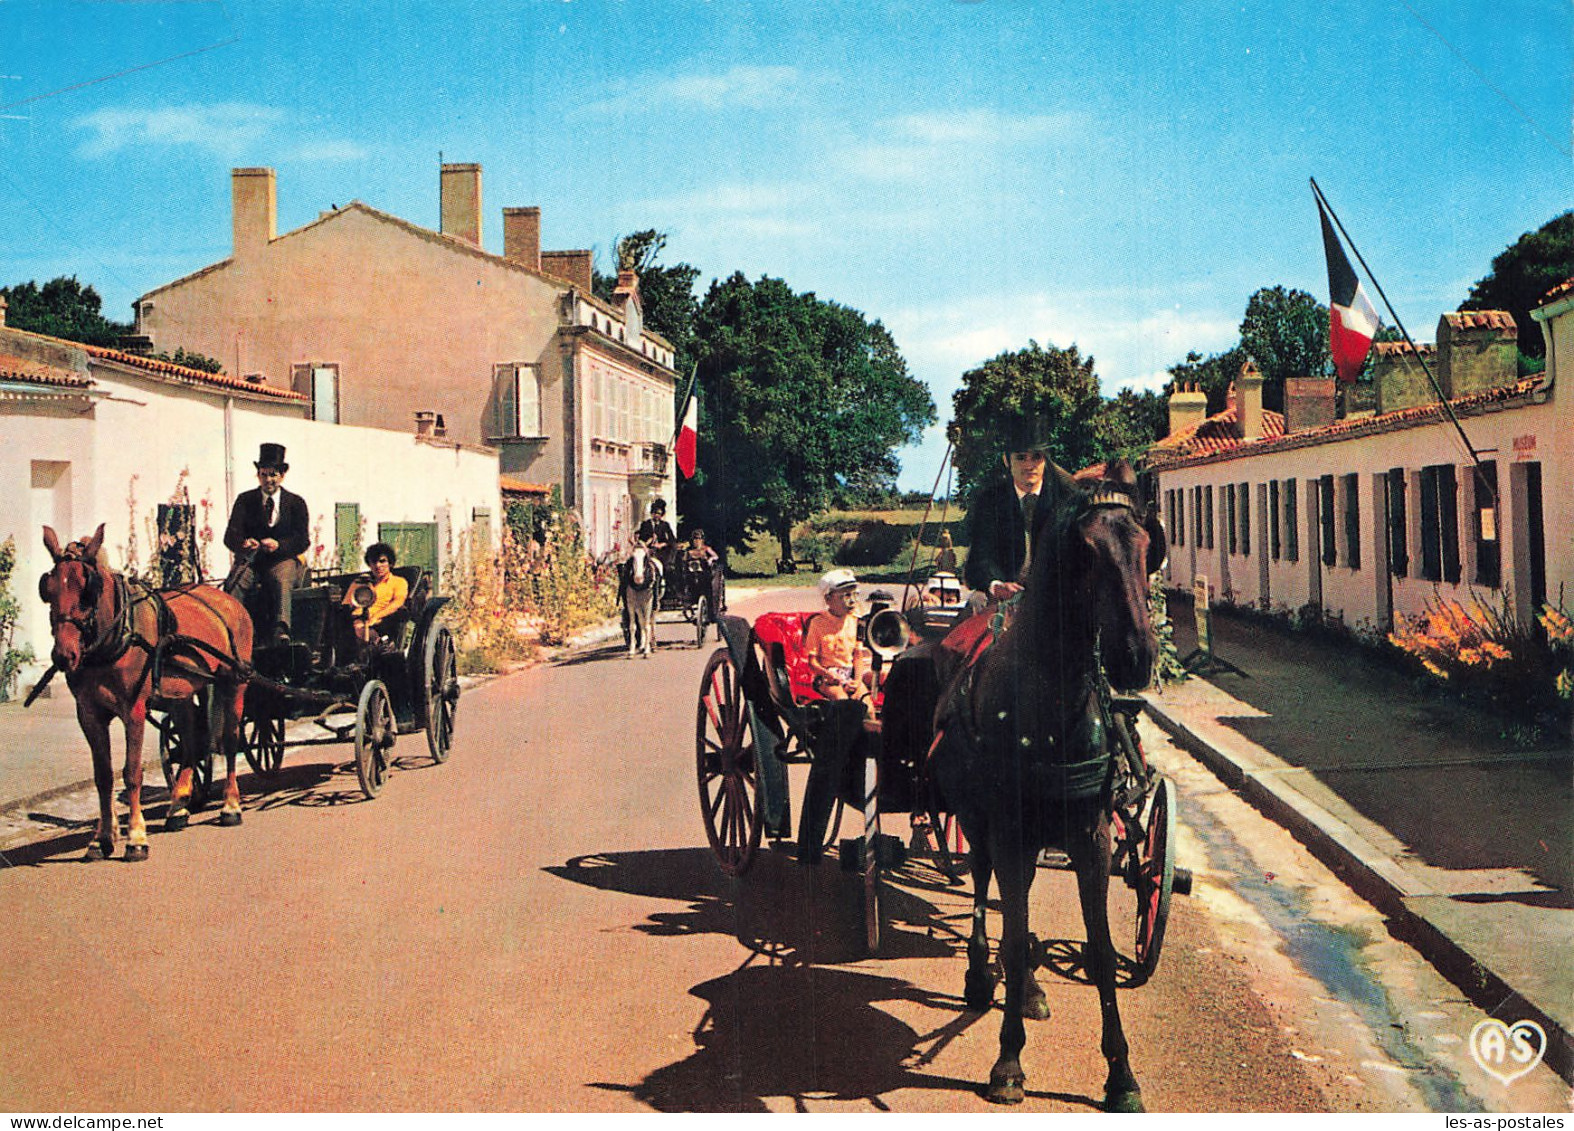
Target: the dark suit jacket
(292, 530)
(995, 547)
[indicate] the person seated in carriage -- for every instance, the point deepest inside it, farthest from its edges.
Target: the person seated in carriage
(839, 660)
(389, 593)
(657, 534)
(699, 551)
(273, 525)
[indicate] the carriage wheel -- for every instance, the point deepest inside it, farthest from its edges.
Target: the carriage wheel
(874, 911)
(730, 798)
(375, 734)
(701, 618)
(442, 691)
(1155, 873)
(262, 740)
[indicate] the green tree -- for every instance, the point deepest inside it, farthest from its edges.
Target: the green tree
(1286, 333)
(1055, 385)
(666, 293)
(1212, 374)
(1126, 424)
(801, 399)
(61, 308)
(1524, 272)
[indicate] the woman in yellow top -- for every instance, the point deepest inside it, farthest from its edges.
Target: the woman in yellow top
(839, 662)
(388, 588)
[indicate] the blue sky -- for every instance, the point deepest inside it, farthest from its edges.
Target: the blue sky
(974, 174)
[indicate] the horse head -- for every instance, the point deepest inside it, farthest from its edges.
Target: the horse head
(76, 592)
(1114, 543)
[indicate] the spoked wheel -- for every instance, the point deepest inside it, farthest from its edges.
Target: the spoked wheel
(1155, 875)
(701, 618)
(180, 746)
(375, 734)
(729, 779)
(262, 740)
(442, 691)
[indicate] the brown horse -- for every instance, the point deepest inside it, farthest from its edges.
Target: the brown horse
(123, 647)
(1024, 763)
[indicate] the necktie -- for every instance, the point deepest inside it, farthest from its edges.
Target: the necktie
(1029, 505)
(267, 510)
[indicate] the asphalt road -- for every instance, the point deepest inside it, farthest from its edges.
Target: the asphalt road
(538, 925)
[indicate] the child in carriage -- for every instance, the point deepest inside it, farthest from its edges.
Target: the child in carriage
(839, 661)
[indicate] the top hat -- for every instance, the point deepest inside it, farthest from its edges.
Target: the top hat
(272, 455)
(1027, 434)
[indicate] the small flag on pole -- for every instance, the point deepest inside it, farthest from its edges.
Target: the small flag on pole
(687, 444)
(1352, 320)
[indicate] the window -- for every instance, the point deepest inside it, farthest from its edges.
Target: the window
(1275, 543)
(1325, 514)
(1488, 555)
(1207, 522)
(320, 382)
(1229, 517)
(516, 402)
(1292, 527)
(1352, 520)
(1180, 516)
(1196, 517)
(1439, 523)
(1244, 492)
(1398, 544)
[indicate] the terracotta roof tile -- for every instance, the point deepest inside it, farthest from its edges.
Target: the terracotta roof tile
(1396, 349)
(1215, 434)
(193, 376)
(22, 369)
(1346, 429)
(520, 486)
(1479, 319)
(1557, 292)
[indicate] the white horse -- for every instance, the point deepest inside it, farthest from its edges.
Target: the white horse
(639, 590)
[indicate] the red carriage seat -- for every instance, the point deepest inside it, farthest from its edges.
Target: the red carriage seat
(782, 636)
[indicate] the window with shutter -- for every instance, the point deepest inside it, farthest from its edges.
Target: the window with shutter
(504, 414)
(1398, 545)
(527, 395)
(325, 393)
(1292, 529)
(1325, 515)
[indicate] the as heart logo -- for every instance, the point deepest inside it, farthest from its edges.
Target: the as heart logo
(1507, 1052)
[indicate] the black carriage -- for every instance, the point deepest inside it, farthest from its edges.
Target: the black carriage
(758, 714)
(347, 690)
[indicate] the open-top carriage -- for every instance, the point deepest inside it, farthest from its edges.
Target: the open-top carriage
(759, 713)
(689, 584)
(349, 691)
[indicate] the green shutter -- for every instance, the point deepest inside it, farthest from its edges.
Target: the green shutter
(347, 534)
(414, 543)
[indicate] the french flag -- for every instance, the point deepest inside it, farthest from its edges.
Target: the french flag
(686, 446)
(1352, 320)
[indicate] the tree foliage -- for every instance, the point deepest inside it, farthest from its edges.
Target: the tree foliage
(1212, 374)
(1286, 333)
(801, 399)
(1058, 386)
(1524, 272)
(1127, 423)
(666, 294)
(62, 308)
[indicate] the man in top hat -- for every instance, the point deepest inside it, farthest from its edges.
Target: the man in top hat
(656, 532)
(1008, 513)
(275, 526)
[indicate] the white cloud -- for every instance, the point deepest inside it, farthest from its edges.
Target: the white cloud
(954, 142)
(329, 151)
(226, 128)
(740, 87)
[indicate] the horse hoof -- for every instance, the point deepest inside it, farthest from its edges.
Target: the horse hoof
(95, 851)
(229, 820)
(1125, 1101)
(136, 852)
(1006, 1089)
(1035, 1005)
(175, 822)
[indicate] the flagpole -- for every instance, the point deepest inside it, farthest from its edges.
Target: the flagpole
(683, 406)
(1470, 448)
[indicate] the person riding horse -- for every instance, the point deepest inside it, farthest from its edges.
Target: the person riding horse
(274, 526)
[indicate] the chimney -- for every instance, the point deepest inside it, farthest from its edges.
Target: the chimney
(460, 191)
(626, 290)
(1248, 400)
(1477, 350)
(2, 310)
(575, 266)
(1188, 407)
(1308, 403)
(522, 236)
(254, 203)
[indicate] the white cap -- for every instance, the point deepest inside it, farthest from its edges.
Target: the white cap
(837, 579)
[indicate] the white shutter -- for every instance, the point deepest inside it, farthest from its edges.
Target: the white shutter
(528, 386)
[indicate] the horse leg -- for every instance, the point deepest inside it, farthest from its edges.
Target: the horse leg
(1006, 1078)
(178, 815)
(231, 701)
(1090, 857)
(1035, 1003)
(95, 728)
(979, 989)
(137, 832)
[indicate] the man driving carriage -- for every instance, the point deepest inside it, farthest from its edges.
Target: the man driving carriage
(1008, 512)
(273, 525)
(656, 532)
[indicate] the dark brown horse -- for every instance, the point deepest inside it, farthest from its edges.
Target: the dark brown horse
(123, 646)
(1024, 763)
